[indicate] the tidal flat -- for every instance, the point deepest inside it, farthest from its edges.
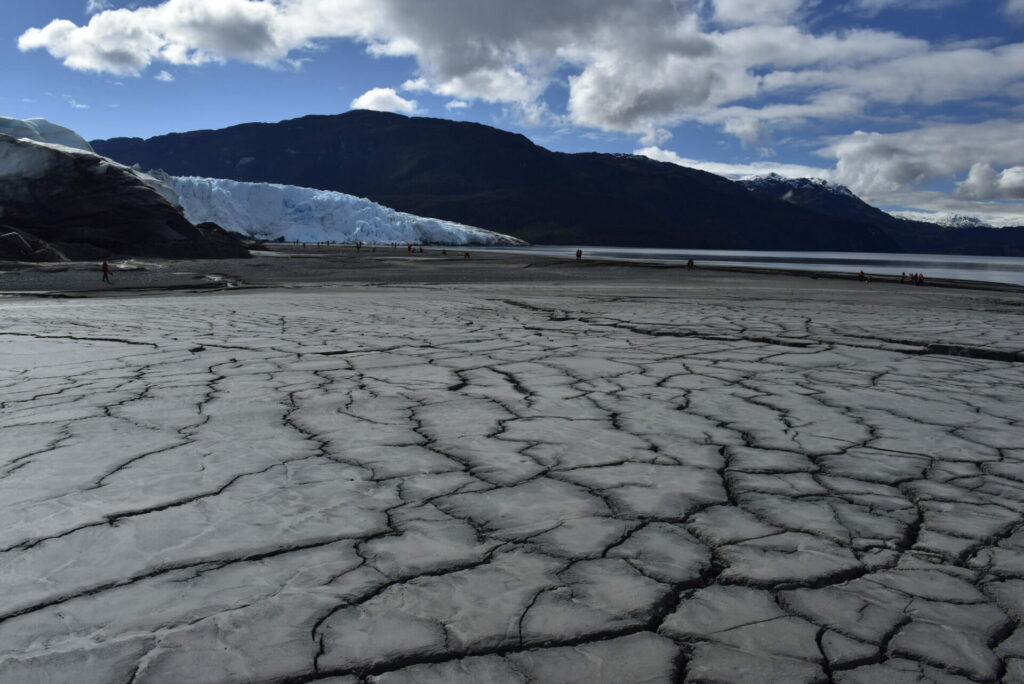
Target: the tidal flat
(426, 468)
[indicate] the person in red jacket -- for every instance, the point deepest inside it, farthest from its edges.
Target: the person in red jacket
(106, 272)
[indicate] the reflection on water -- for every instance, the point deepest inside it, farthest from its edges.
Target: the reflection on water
(984, 268)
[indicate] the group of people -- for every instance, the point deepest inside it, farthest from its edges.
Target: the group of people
(915, 278)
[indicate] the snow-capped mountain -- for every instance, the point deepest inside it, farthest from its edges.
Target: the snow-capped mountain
(821, 196)
(944, 219)
(270, 211)
(912, 231)
(41, 130)
(768, 183)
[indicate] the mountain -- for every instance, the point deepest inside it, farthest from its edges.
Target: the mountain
(966, 236)
(41, 130)
(481, 176)
(948, 219)
(59, 202)
(272, 211)
(961, 221)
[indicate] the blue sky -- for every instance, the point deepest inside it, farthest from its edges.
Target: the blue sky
(914, 104)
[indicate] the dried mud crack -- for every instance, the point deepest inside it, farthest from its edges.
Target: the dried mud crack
(437, 484)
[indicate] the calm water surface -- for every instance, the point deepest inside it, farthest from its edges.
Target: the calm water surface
(983, 268)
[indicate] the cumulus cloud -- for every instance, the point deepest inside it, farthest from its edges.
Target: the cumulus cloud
(1014, 8)
(749, 67)
(876, 164)
(94, 6)
(984, 182)
(747, 12)
(385, 100)
(456, 104)
(165, 76)
(875, 6)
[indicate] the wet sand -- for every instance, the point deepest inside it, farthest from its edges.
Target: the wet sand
(310, 266)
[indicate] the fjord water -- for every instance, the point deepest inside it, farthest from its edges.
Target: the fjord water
(992, 269)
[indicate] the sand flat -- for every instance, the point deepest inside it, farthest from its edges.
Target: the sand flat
(523, 470)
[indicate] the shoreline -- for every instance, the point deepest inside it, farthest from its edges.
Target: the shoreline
(319, 266)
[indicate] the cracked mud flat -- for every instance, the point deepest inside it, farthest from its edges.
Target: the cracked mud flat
(505, 484)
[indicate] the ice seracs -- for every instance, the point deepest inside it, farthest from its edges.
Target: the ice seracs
(41, 130)
(270, 211)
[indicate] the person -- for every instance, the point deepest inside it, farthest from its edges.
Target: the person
(465, 255)
(106, 272)
(903, 277)
(861, 276)
(920, 278)
(579, 254)
(689, 264)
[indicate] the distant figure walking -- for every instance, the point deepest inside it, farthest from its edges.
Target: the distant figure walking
(579, 254)
(106, 272)
(689, 264)
(903, 277)
(465, 255)
(861, 276)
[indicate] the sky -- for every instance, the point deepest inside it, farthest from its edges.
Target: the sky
(915, 105)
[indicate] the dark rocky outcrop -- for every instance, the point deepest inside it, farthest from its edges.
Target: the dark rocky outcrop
(17, 245)
(65, 203)
(493, 179)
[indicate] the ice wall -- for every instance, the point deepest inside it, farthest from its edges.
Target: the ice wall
(270, 211)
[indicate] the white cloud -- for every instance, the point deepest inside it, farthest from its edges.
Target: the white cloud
(1014, 8)
(875, 6)
(736, 171)
(984, 182)
(748, 12)
(875, 164)
(165, 76)
(889, 169)
(75, 104)
(415, 85)
(456, 104)
(385, 100)
(94, 6)
(748, 66)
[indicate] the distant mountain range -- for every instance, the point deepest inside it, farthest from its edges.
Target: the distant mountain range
(482, 176)
(964, 236)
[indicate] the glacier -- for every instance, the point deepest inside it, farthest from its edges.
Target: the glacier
(272, 211)
(44, 131)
